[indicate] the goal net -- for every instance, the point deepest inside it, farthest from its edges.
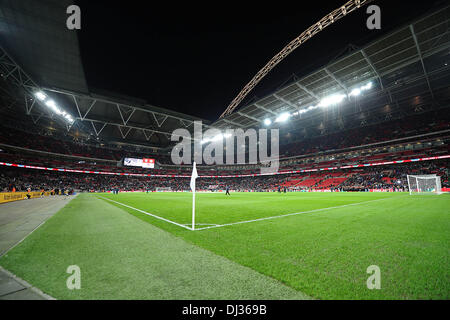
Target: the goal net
(424, 184)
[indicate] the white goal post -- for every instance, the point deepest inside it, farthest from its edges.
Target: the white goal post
(424, 184)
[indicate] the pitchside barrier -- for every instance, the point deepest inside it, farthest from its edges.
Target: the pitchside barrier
(15, 196)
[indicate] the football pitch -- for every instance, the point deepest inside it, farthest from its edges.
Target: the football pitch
(318, 245)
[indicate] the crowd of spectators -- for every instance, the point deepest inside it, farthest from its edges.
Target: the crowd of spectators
(67, 152)
(53, 142)
(383, 177)
(48, 141)
(412, 126)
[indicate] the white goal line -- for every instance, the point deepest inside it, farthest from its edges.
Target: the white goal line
(212, 226)
(289, 214)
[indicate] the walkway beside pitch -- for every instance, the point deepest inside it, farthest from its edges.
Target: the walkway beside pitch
(18, 220)
(14, 288)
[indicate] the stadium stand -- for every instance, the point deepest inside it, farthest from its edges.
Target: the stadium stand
(382, 178)
(404, 116)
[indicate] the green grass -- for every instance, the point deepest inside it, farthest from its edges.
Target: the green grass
(215, 208)
(121, 257)
(323, 254)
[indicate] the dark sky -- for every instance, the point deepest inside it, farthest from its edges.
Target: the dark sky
(196, 57)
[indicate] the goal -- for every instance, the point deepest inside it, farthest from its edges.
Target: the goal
(424, 184)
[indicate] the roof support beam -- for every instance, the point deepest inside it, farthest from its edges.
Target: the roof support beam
(129, 126)
(248, 116)
(35, 120)
(186, 124)
(29, 108)
(90, 108)
(285, 101)
(369, 62)
(157, 121)
(312, 94)
(144, 108)
(265, 109)
(121, 114)
(78, 107)
(97, 133)
(124, 135)
(411, 27)
(339, 82)
(233, 123)
(147, 137)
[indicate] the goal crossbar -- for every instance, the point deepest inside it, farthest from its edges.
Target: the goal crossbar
(424, 184)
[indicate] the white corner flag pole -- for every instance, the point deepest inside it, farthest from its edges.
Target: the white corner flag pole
(193, 177)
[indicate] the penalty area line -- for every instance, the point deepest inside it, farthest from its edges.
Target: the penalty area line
(147, 213)
(290, 214)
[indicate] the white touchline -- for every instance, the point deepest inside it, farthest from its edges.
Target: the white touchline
(147, 213)
(201, 224)
(289, 214)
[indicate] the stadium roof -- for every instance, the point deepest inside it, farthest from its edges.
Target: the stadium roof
(41, 43)
(38, 54)
(416, 55)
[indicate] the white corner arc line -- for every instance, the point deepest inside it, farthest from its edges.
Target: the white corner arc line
(147, 213)
(289, 214)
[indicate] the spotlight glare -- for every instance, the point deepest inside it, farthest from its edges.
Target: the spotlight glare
(283, 117)
(332, 100)
(368, 86)
(355, 92)
(40, 95)
(51, 104)
(267, 122)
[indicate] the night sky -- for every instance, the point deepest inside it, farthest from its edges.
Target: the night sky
(196, 57)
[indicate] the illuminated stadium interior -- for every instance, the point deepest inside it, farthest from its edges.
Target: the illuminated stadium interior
(358, 125)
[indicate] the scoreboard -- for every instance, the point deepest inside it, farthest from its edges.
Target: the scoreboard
(148, 163)
(142, 163)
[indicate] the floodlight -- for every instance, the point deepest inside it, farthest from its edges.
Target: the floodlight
(40, 95)
(367, 86)
(283, 117)
(50, 103)
(267, 122)
(332, 100)
(355, 92)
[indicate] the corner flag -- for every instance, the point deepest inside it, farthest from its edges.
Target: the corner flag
(193, 177)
